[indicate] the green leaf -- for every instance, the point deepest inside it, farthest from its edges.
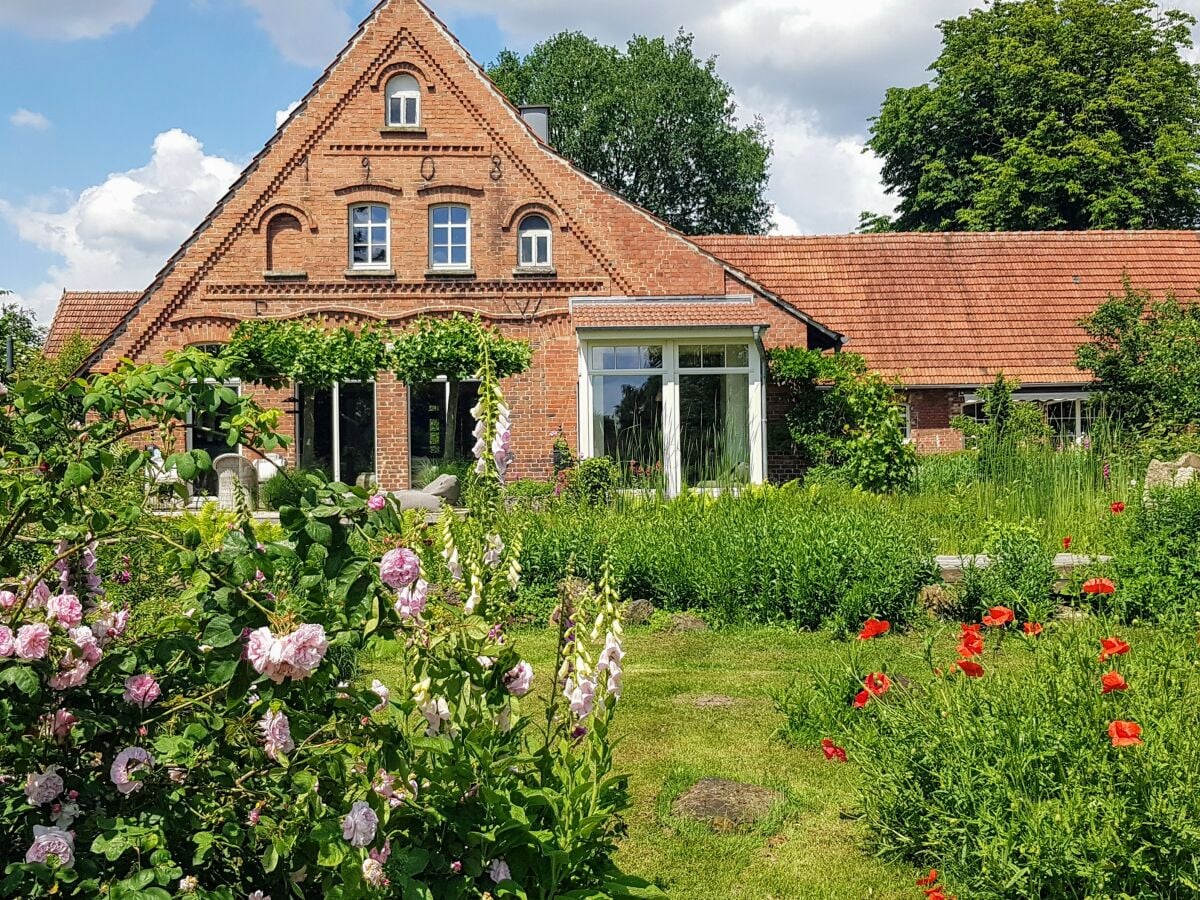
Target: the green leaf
(77, 475)
(23, 678)
(220, 632)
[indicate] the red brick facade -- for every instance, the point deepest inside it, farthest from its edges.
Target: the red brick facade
(276, 246)
(930, 412)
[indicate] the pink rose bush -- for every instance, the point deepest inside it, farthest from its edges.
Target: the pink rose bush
(253, 702)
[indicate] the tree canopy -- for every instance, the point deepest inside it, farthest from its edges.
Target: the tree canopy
(19, 324)
(1048, 114)
(653, 123)
(1144, 354)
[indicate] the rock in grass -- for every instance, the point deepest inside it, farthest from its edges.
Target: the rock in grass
(638, 612)
(683, 623)
(724, 805)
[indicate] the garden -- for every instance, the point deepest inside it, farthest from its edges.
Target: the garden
(571, 689)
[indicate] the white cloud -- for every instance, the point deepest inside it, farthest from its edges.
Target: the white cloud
(817, 70)
(281, 115)
(71, 19)
(117, 234)
(24, 118)
(308, 32)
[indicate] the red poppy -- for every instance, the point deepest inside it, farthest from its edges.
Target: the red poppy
(936, 893)
(970, 669)
(971, 645)
(1125, 734)
(1099, 586)
(877, 684)
(1117, 508)
(929, 880)
(1067, 542)
(832, 751)
(1113, 681)
(1033, 629)
(1112, 646)
(861, 699)
(873, 628)
(998, 617)
(971, 629)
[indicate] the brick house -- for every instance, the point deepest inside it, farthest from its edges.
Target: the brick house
(405, 185)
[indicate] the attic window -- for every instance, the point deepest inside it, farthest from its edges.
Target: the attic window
(535, 236)
(403, 102)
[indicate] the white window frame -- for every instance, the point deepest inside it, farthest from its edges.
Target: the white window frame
(412, 93)
(908, 423)
(335, 426)
(670, 340)
(533, 234)
(369, 265)
(449, 229)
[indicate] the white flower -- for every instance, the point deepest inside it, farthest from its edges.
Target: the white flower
(188, 884)
(358, 827)
(436, 711)
(381, 690)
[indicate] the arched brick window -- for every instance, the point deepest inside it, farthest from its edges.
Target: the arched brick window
(285, 244)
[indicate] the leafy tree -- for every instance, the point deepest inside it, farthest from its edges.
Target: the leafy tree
(1144, 355)
(1009, 425)
(1048, 114)
(846, 416)
(18, 323)
(613, 111)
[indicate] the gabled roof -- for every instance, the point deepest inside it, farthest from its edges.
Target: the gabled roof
(93, 314)
(955, 309)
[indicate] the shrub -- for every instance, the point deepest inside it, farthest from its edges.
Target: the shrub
(529, 493)
(1159, 568)
(593, 482)
(281, 490)
(233, 742)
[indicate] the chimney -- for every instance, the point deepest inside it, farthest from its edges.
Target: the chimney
(538, 118)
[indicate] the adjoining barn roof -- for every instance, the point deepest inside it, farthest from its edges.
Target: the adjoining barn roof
(94, 314)
(955, 309)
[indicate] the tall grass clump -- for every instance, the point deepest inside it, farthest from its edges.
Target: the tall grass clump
(1064, 491)
(805, 557)
(1158, 568)
(1017, 784)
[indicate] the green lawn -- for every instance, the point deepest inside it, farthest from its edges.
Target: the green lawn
(811, 847)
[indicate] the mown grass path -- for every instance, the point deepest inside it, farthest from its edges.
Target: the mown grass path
(809, 848)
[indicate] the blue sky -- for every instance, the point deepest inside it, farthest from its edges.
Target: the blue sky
(123, 121)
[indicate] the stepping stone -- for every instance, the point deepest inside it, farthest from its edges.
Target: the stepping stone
(725, 805)
(714, 701)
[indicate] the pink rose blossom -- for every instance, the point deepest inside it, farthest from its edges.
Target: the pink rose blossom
(74, 675)
(65, 609)
(295, 656)
(51, 843)
(8, 642)
(61, 725)
(86, 641)
(376, 502)
(255, 815)
(44, 788)
(259, 895)
(304, 649)
(411, 600)
(436, 711)
(41, 594)
(141, 690)
(129, 761)
(277, 734)
(33, 641)
(456, 867)
(519, 679)
(358, 827)
(7, 599)
(399, 568)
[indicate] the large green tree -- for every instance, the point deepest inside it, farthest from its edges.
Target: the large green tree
(654, 123)
(19, 324)
(1048, 114)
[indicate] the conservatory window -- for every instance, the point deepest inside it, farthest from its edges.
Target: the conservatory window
(337, 430)
(675, 414)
